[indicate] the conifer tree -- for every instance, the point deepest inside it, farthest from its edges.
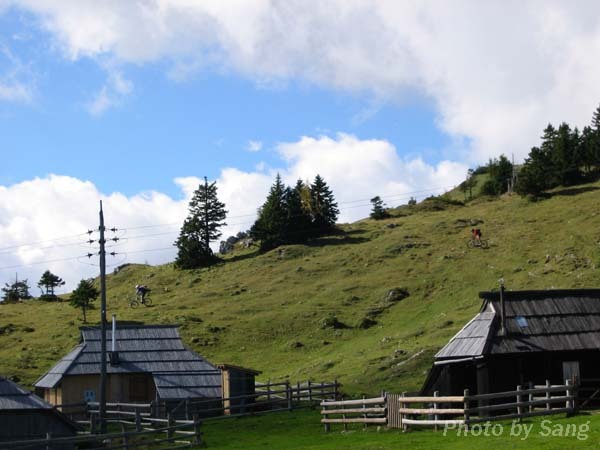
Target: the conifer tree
(270, 226)
(323, 207)
(83, 296)
(298, 224)
(48, 282)
(378, 212)
(19, 290)
(206, 215)
(595, 138)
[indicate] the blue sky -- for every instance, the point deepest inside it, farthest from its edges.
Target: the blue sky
(167, 128)
(133, 102)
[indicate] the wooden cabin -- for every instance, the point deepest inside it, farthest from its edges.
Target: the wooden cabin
(237, 382)
(25, 416)
(522, 337)
(149, 363)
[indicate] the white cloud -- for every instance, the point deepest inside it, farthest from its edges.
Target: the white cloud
(111, 94)
(16, 81)
(34, 213)
(254, 146)
(497, 71)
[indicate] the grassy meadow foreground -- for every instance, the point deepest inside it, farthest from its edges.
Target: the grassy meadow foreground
(322, 311)
(302, 430)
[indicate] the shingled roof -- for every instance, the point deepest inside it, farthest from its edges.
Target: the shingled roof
(155, 349)
(536, 321)
(14, 397)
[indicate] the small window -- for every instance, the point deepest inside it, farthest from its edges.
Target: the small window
(89, 396)
(521, 321)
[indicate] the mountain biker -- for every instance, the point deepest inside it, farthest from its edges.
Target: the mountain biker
(141, 291)
(476, 234)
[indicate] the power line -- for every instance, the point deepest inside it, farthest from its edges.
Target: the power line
(42, 242)
(40, 262)
(144, 236)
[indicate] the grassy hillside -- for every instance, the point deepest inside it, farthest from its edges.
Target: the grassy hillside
(302, 311)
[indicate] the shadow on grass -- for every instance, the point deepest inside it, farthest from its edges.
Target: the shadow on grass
(574, 191)
(240, 257)
(333, 240)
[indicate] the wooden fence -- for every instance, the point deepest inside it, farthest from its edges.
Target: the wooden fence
(365, 411)
(268, 397)
(175, 435)
(404, 411)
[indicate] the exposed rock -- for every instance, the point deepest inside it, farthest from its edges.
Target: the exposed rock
(331, 321)
(228, 245)
(391, 225)
(366, 322)
(532, 261)
(396, 295)
(548, 257)
(296, 344)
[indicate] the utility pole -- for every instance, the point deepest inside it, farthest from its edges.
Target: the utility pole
(102, 409)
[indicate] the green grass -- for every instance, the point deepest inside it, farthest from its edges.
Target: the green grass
(302, 430)
(253, 309)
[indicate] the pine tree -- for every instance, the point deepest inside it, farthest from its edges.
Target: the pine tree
(206, 215)
(49, 282)
(298, 222)
(533, 179)
(83, 296)
(323, 207)
(378, 212)
(270, 226)
(13, 292)
(565, 160)
(595, 139)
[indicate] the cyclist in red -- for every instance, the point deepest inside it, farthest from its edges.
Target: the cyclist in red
(476, 234)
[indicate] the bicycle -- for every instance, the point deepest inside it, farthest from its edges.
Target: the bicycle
(481, 243)
(135, 301)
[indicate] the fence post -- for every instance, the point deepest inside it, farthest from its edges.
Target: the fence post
(548, 385)
(325, 416)
(335, 389)
(364, 413)
(309, 392)
(466, 409)
(170, 424)
(298, 391)
(436, 417)
(530, 397)
(187, 409)
(48, 441)
(124, 437)
(92, 422)
(288, 394)
(138, 420)
(519, 399)
(402, 424)
(269, 391)
(575, 392)
(569, 392)
(197, 430)
(344, 415)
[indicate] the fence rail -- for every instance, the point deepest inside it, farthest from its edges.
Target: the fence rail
(365, 411)
(125, 440)
(403, 411)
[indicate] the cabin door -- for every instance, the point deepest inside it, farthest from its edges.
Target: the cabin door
(138, 388)
(571, 371)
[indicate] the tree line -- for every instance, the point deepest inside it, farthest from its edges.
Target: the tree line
(289, 215)
(565, 157)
